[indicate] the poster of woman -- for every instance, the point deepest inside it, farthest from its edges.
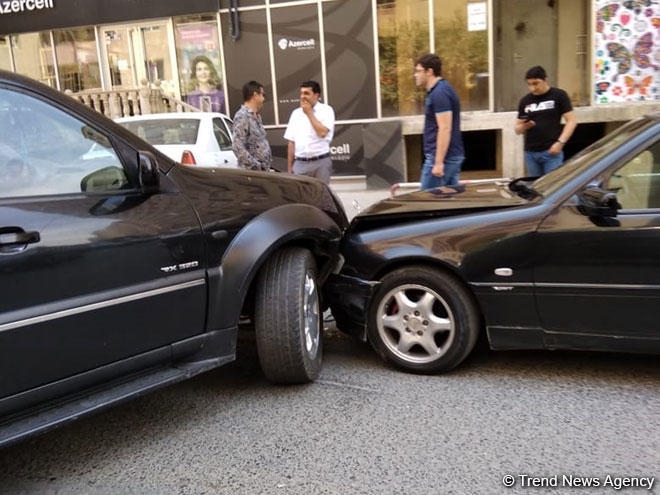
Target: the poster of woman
(205, 90)
(199, 59)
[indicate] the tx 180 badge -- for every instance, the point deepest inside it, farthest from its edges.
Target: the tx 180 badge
(179, 267)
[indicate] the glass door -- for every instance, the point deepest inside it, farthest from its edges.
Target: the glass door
(5, 54)
(155, 50)
(140, 52)
(120, 58)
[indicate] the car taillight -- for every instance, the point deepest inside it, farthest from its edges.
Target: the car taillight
(187, 158)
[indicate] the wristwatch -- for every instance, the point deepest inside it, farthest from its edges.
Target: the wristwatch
(561, 142)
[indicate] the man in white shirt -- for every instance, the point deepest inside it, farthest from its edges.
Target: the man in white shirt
(309, 132)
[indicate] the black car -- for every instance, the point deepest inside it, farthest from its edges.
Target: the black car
(122, 271)
(570, 260)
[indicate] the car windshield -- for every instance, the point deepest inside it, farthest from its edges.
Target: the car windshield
(584, 159)
(165, 131)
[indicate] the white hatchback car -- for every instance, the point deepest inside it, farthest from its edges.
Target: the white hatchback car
(192, 138)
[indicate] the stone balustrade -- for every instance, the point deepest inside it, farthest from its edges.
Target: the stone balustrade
(148, 98)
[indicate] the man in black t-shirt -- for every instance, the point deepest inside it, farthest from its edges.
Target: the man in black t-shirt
(539, 119)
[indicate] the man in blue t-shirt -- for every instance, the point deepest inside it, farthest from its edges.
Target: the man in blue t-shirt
(443, 143)
(539, 119)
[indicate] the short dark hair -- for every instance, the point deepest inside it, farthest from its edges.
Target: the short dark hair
(316, 87)
(251, 87)
(536, 72)
(430, 61)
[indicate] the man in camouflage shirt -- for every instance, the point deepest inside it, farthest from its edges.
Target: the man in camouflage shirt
(250, 143)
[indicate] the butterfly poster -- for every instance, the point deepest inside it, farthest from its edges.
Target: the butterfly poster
(626, 51)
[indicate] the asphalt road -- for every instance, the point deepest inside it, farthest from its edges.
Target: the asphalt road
(364, 428)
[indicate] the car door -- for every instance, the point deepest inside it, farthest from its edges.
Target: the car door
(223, 136)
(600, 276)
(93, 271)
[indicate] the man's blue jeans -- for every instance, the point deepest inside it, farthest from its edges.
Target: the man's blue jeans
(541, 162)
(452, 169)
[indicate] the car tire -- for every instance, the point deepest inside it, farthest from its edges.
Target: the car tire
(423, 320)
(288, 318)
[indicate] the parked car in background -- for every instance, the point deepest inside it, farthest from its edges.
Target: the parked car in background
(570, 260)
(122, 271)
(192, 138)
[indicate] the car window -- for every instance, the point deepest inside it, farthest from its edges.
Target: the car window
(44, 150)
(221, 135)
(637, 182)
(583, 160)
(165, 131)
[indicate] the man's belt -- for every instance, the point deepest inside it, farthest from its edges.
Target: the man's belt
(312, 158)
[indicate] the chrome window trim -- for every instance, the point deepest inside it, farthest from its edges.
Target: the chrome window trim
(597, 286)
(500, 284)
(99, 305)
(561, 285)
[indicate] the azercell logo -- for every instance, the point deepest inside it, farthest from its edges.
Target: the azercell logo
(16, 6)
(309, 44)
(341, 153)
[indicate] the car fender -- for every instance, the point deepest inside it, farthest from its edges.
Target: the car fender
(293, 223)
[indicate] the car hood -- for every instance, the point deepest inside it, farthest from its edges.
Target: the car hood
(237, 195)
(443, 201)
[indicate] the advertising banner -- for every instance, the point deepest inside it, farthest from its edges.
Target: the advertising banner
(247, 58)
(350, 59)
(297, 54)
(200, 66)
(626, 51)
(346, 150)
(21, 16)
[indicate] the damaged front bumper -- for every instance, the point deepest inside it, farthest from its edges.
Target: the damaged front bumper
(349, 298)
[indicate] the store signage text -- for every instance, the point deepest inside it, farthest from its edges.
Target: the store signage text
(341, 152)
(16, 6)
(284, 43)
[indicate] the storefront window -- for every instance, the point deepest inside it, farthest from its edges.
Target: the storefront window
(5, 57)
(253, 40)
(403, 35)
(461, 41)
(349, 63)
(157, 61)
(460, 32)
(200, 64)
(77, 59)
(117, 45)
(33, 56)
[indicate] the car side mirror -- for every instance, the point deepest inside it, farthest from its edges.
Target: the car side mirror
(598, 202)
(148, 172)
(104, 180)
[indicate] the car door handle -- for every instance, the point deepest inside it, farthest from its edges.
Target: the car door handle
(13, 237)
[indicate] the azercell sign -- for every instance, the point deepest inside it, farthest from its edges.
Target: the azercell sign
(29, 16)
(16, 6)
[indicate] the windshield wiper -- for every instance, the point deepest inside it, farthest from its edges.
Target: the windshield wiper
(521, 186)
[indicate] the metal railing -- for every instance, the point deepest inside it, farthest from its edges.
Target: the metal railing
(148, 98)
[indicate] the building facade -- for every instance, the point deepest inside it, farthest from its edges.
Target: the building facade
(604, 53)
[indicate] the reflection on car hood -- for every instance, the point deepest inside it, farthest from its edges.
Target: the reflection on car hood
(219, 194)
(444, 201)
